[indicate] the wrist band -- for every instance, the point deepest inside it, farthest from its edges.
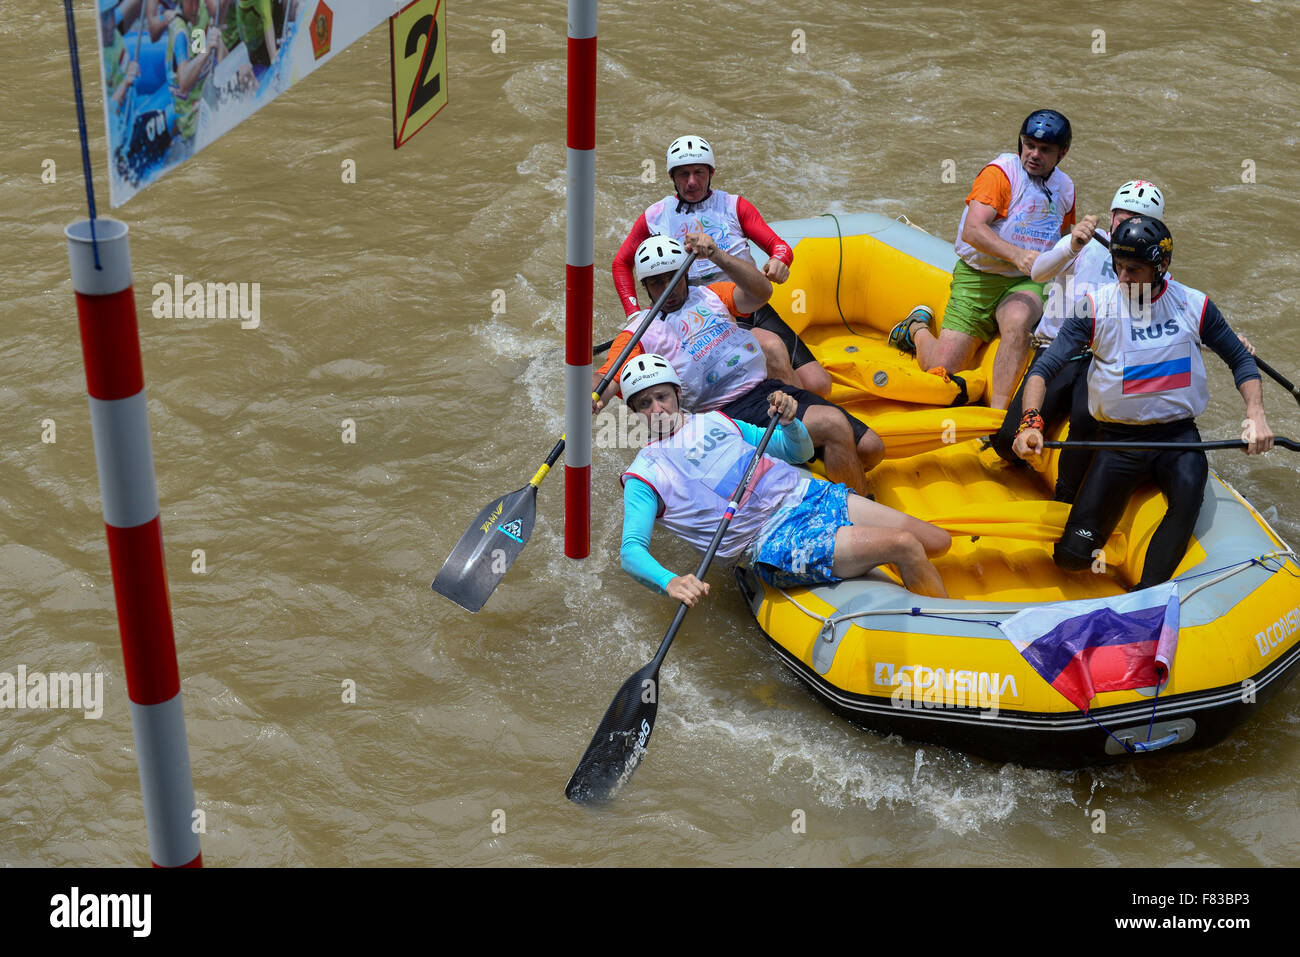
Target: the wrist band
(1032, 419)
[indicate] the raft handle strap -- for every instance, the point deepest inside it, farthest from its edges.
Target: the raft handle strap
(1150, 745)
(828, 624)
(1230, 570)
(962, 396)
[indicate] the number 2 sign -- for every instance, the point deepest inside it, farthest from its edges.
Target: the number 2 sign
(418, 40)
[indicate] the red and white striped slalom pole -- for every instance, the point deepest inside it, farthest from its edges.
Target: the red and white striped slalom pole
(580, 255)
(119, 419)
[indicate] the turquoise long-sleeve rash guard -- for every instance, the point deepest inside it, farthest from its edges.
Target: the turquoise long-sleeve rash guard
(790, 443)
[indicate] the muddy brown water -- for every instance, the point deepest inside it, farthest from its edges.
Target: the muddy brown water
(377, 305)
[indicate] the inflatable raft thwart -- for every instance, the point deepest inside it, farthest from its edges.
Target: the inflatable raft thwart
(941, 670)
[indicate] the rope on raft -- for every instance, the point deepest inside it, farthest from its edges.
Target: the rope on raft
(827, 630)
(839, 271)
(945, 614)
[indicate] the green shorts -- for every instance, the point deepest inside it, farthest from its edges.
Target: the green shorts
(974, 297)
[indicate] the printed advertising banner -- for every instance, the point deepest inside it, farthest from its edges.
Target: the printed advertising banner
(180, 73)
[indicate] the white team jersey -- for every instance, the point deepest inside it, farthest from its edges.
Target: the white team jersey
(697, 469)
(1034, 216)
(716, 360)
(1146, 366)
(1068, 293)
(715, 216)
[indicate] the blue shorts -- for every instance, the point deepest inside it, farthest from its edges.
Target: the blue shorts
(800, 548)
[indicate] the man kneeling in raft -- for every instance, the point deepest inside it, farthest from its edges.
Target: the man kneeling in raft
(793, 529)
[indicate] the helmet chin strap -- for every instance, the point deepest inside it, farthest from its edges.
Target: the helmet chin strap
(684, 206)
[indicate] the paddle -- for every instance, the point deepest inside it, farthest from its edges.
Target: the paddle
(1277, 377)
(620, 740)
(1210, 446)
(481, 558)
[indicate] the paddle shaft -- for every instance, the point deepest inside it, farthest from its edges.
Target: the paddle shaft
(612, 374)
(617, 747)
(618, 363)
(551, 459)
(1277, 377)
(466, 577)
(1172, 446)
(734, 504)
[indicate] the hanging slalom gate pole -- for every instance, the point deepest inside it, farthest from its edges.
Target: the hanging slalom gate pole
(119, 419)
(579, 242)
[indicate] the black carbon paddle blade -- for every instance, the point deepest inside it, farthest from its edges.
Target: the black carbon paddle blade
(620, 741)
(487, 550)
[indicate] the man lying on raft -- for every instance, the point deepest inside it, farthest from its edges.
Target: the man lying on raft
(795, 530)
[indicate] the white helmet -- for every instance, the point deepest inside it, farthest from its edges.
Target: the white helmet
(644, 371)
(1139, 196)
(658, 255)
(689, 149)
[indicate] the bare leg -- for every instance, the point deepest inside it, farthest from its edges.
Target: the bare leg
(951, 350)
(829, 429)
(859, 549)
(871, 450)
(778, 359)
(1016, 316)
(865, 512)
(814, 378)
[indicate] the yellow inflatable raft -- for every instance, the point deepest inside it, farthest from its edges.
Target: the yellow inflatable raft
(940, 670)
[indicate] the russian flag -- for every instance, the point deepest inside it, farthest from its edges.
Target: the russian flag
(727, 485)
(1158, 376)
(1082, 648)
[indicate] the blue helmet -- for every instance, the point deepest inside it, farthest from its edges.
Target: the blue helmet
(1048, 126)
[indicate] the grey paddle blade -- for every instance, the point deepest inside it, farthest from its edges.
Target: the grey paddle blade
(486, 551)
(620, 741)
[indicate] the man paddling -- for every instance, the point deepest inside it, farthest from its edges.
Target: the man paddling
(1020, 204)
(1147, 383)
(795, 530)
(721, 365)
(733, 222)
